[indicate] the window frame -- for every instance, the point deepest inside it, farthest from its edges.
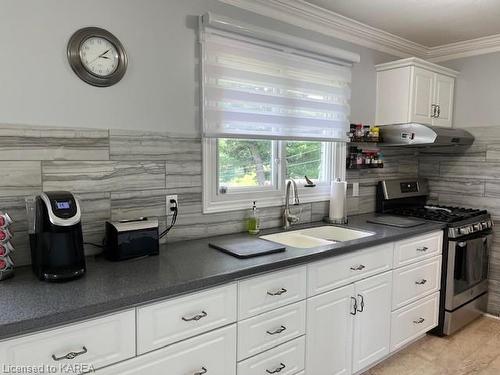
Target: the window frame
(241, 198)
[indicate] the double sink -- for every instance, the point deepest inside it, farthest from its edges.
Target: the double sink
(318, 236)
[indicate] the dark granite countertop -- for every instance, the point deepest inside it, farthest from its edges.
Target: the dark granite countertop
(28, 304)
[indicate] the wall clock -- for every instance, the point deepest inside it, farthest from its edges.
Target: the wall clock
(97, 56)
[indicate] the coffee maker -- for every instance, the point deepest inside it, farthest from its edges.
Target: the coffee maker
(56, 238)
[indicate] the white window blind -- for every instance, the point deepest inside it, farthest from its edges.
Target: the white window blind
(253, 91)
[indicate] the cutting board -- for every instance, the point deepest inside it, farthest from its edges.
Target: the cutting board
(396, 221)
(246, 247)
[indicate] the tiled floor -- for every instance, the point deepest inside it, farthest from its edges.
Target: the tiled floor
(473, 350)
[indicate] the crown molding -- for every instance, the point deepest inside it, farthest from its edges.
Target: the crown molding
(314, 18)
(473, 47)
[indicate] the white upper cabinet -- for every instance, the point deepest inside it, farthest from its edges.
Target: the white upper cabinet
(443, 98)
(414, 90)
(422, 96)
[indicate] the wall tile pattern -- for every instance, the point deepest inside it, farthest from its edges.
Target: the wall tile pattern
(127, 174)
(470, 178)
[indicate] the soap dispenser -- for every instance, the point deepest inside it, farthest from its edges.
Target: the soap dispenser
(253, 222)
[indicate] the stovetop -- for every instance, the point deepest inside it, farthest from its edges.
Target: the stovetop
(446, 214)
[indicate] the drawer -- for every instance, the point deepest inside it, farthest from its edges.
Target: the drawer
(416, 281)
(344, 269)
(271, 329)
(414, 320)
(270, 291)
(94, 343)
(286, 359)
(418, 248)
(164, 323)
(210, 353)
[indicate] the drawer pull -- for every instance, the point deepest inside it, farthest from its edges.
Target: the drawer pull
(70, 355)
(419, 321)
(277, 369)
(358, 268)
(421, 282)
(361, 303)
(277, 330)
(196, 317)
(355, 306)
(201, 372)
(422, 249)
(277, 292)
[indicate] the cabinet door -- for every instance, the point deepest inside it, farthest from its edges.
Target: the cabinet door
(372, 324)
(329, 332)
(422, 96)
(443, 97)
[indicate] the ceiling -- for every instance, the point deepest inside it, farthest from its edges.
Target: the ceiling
(427, 22)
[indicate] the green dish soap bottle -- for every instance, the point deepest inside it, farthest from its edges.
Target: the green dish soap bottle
(253, 222)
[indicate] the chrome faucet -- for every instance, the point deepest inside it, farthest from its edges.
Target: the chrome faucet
(288, 218)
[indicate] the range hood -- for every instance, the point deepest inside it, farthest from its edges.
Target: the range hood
(421, 135)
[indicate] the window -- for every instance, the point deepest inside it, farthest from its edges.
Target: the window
(238, 171)
(269, 113)
(245, 164)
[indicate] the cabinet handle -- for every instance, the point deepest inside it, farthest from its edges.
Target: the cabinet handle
(422, 249)
(421, 282)
(438, 111)
(433, 110)
(277, 330)
(362, 303)
(196, 317)
(201, 372)
(277, 292)
(357, 268)
(70, 355)
(355, 307)
(419, 321)
(277, 369)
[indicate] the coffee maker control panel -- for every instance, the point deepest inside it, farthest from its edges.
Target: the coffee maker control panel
(62, 207)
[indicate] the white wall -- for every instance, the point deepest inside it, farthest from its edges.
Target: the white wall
(477, 92)
(159, 90)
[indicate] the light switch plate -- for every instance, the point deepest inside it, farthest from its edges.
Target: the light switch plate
(355, 189)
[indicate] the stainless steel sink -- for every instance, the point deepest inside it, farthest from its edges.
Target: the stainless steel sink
(318, 236)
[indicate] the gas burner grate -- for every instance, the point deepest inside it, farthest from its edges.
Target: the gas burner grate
(447, 214)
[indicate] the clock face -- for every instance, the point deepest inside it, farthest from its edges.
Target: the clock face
(99, 56)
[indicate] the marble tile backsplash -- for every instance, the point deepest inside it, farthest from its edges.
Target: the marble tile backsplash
(119, 174)
(470, 178)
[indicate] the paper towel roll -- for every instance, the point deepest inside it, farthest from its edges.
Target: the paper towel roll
(338, 190)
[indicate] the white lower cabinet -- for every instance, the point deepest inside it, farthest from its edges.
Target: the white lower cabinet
(75, 348)
(270, 329)
(210, 353)
(286, 359)
(329, 332)
(348, 328)
(372, 323)
(164, 323)
(412, 321)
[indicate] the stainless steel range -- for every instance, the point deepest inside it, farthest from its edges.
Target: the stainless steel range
(468, 239)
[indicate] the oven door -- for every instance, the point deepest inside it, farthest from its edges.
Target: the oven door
(467, 272)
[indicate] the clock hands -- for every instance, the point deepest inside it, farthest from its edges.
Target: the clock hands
(101, 56)
(104, 53)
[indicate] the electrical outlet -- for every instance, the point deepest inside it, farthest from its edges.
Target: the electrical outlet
(171, 205)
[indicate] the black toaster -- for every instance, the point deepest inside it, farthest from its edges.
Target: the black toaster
(126, 239)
